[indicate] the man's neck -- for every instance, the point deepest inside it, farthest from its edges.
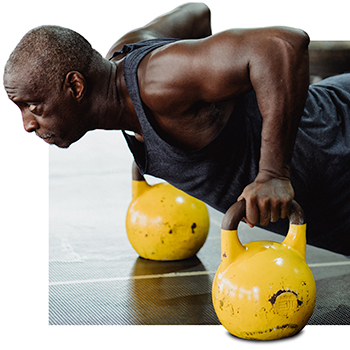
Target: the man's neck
(116, 110)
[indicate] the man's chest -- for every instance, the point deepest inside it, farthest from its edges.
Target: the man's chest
(194, 128)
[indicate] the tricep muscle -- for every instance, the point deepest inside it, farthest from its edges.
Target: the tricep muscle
(221, 66)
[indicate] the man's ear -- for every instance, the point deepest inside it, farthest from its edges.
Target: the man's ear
(76, 83)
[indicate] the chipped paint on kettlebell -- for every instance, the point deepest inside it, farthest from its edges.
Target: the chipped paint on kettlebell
(268, 282)
(164, 223)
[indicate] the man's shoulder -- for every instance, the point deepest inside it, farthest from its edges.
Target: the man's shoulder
(167, 78)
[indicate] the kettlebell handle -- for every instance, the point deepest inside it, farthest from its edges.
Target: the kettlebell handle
(136, 175)
(237, 212)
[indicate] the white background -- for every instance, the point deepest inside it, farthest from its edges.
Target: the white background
(24, 172)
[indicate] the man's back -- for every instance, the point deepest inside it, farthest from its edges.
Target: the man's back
(217, 172)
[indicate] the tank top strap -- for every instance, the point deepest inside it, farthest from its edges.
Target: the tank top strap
(134, 55)
(145, 44)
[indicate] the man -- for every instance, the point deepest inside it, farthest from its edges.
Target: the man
(215, 115)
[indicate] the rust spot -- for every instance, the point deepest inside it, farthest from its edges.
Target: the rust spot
(194, 225)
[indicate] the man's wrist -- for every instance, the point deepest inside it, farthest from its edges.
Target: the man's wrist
(268, 174)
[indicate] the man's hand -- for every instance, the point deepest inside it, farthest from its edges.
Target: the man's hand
(267, 199)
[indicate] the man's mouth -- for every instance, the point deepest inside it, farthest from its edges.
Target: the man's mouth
(46, 137)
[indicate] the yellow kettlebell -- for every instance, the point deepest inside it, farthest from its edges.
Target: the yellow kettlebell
(263, 290)
(164, 223)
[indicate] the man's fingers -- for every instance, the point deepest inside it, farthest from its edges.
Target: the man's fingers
(265, 213)
(247, 222)
(285, 209)
(267, 201)
(275, 212)
(252, 213)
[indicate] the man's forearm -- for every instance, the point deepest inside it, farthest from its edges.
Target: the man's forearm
(281, 86)
(279, 75)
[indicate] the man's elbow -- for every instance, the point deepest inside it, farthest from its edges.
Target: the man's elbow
(197, 6)
(304, 40)
(299, 39)
(201, 15)
(205, 16)
(200, 9)
(291, 42)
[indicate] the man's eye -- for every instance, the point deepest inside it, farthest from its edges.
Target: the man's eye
(31, 107)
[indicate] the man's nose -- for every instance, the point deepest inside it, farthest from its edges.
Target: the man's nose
(29, 122)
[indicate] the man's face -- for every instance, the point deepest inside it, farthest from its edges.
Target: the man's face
(51, 113)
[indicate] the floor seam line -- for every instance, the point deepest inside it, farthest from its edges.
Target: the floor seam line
(176, 274)
(126, 278)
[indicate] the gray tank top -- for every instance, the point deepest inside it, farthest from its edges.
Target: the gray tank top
(218, 172)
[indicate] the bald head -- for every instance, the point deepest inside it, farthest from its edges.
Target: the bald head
(48, 53)
(60, 84)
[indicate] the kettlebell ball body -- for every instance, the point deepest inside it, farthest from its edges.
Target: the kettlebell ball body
(164, 223)
(264, 290)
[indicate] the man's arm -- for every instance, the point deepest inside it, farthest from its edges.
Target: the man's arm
(273, 62)
(188, 21)
(281, 98)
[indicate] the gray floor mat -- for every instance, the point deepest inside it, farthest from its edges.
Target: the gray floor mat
(96, 278)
